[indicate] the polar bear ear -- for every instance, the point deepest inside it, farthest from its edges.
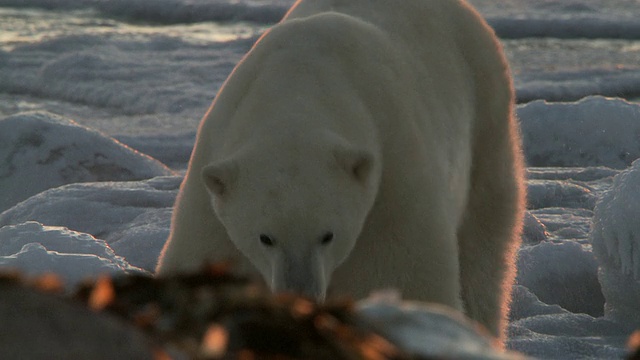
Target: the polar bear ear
(358, 163)
(219, 177)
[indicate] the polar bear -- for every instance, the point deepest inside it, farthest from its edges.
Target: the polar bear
(359, 145)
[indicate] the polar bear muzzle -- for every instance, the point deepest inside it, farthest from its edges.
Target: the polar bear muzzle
(301, 275)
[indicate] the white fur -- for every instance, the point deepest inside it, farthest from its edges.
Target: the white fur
(386, 123)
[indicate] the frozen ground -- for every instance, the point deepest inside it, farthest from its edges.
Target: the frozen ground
(144, 72)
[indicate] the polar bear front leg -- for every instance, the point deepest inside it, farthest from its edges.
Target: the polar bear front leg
(489, 235)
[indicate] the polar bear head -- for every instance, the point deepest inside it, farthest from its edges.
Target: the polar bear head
(294, 206)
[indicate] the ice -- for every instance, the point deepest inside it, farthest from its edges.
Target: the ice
(565, 336)
(572, 173)
(565, 223)
(97, 70)
(551, 332)
(41, 150)
(174, 11)
(534, 231)
(580, 25)
(133, 217)
(595, 131)
(562, 273)
(516, 18)
(558, 9)
(171, 11)
(616, 244)
(562, 199)
(121, 83)
(547, 193)
(574, 85)
(35, 249)
(616, 235)
(525, 304)
(172, 150)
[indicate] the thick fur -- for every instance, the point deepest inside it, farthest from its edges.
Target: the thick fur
(388, 124)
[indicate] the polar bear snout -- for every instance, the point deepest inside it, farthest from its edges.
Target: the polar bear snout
(300, 275)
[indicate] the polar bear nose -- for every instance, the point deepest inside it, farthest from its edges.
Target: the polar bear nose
(301, 276)
(304, 286)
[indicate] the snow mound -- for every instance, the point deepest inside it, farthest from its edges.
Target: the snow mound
(133, 217)
(595, 131)
(564, 336)
(36, 249)
(551, 332)
(558, 193)
(562, 273)
(616, 243)
(40, 150)
(525, 304)
(565, 223)
(534, 231)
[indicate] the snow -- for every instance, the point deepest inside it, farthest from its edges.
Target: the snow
(574, 85)
(616, 235)
(35, 249)
(568, 336)
(132, 217)
(562, 273)
(549, 193)
(616, 244)
(170, 11)
(595, 131)
(123, 75)
(534, 230)
(107, 74)
(581, 26)
(42, 150)
(551, 332)
(81, 202)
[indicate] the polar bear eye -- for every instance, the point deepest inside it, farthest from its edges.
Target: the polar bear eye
(327, 238)
(266, 240)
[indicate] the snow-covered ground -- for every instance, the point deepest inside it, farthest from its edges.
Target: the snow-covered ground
(100, 100)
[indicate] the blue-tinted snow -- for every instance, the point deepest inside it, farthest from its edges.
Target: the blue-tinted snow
(616, 242)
